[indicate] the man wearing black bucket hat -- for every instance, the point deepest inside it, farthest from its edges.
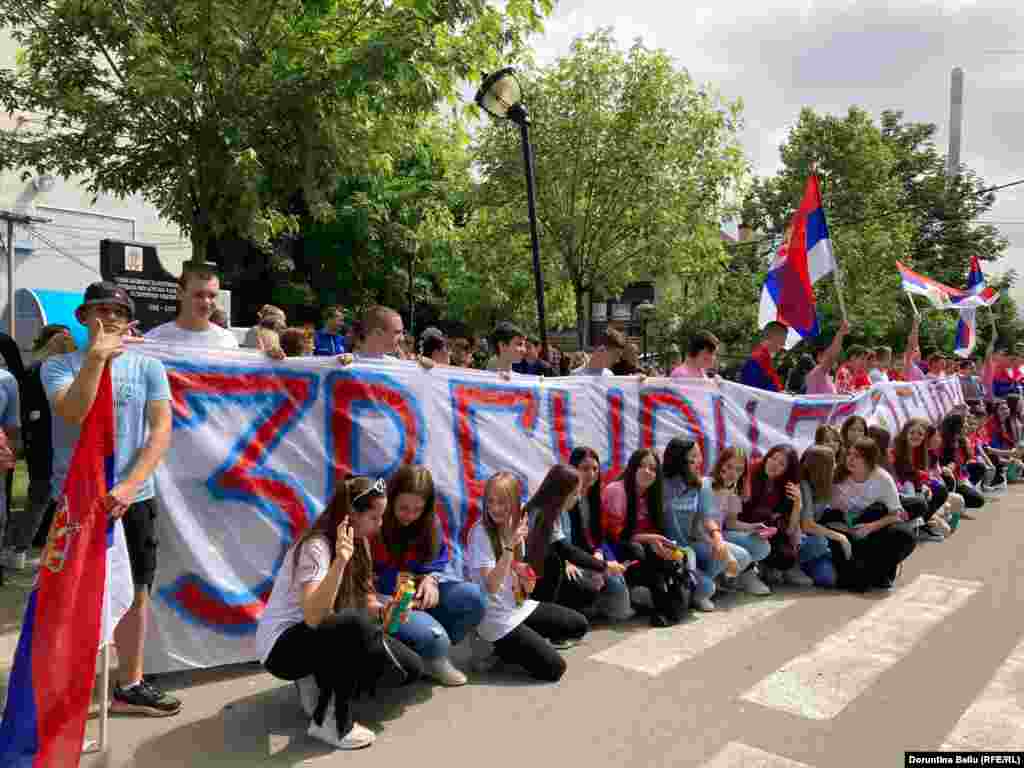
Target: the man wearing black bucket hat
(142, 410)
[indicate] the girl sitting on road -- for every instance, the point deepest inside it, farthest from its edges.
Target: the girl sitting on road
(687, 502)
(774, 501)
(728, 478)
(869, 505)
(523, 631)
(324, 618)
(564, 571)
(820, 545)
(633, 529)
(912, 471)
(582, 527)
(412, 541)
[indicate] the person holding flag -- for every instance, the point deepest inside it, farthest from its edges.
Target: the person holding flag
(142, 408)
(805, 257)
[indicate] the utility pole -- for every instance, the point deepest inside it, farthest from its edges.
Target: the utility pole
(12, 218)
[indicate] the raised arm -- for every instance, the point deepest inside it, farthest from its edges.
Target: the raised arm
(836, 347)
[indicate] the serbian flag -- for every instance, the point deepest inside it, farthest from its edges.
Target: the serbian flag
(788, 294)
(967, 327)
(55, 663)
(946, 297)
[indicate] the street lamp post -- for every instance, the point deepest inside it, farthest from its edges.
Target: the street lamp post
(501, 97)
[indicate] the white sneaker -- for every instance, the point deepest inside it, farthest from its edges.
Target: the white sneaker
(444, 672)
(703, 604)
(358, 738)
(798, 578)
(309, 694)
(751, 583)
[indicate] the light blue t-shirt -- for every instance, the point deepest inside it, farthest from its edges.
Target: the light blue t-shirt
(136, 380)
(684, 509)
(10, 405)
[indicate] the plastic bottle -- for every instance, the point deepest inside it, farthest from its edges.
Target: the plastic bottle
(405, 590)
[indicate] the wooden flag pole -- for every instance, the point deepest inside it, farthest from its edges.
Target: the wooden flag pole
(910, 298)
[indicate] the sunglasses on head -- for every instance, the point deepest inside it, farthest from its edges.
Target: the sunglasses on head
(378, 488)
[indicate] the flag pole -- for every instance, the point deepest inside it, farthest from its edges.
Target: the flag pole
(910, 298)
(104, 698)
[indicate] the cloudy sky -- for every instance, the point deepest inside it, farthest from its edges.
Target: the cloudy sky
(782, 56)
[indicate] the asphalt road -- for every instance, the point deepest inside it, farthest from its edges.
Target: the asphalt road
(804, 677)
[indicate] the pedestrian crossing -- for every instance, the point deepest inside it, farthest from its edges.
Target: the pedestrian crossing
(822, 682)
(995, 720)
(737, 755)
(656, 651)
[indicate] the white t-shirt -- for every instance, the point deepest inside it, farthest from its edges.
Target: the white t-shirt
(284, 609)
(214, 337)
(585, 371)
(856, 497)
(503, 615)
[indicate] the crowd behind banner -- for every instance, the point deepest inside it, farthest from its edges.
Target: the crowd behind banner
(346, 509)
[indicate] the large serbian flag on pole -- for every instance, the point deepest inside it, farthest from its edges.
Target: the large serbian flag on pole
(788, 294)
(55, 663)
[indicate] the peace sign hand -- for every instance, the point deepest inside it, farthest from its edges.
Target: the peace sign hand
(345, 543)
(103, 346)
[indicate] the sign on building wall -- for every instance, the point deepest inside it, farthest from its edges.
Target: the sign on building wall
(137, 268)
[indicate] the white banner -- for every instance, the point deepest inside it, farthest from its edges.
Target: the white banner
(258, 447)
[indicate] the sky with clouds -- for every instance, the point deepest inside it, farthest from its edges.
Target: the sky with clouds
(781, 56)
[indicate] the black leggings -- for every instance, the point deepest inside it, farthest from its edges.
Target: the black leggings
(670, 601)
(346, 655)
(527, 645)
(915, 506)
(556, 587)
(875, 558)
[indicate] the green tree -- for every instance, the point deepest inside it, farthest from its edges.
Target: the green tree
(636, 167)
(944, 210)
(887, 197)
(235, 117)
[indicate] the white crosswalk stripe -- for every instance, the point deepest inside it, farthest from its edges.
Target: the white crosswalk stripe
(821, 683)
(995, 720)
(737, 755)
(656, 650)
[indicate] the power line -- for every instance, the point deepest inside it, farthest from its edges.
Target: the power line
(35, 232)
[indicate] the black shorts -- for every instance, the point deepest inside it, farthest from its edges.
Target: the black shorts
(140, 534)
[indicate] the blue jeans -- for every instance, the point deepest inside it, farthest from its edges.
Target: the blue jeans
(816, 561)
(757, 548)
(707, 569)
(432, 633)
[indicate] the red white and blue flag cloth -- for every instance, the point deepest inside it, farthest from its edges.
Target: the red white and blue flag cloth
(967, 326)
(788, 294)
(976, 294)
(70, 609)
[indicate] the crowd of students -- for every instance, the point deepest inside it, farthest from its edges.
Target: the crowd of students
(374, 594)
(662, 538)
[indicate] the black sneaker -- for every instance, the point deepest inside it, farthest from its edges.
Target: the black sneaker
(143, 699)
